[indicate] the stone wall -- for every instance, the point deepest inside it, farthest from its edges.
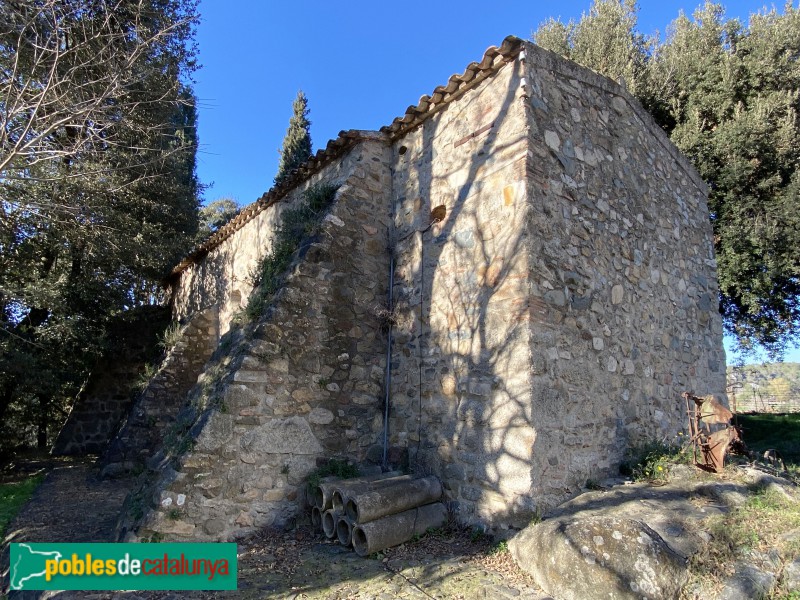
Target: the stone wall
(623, 306)
(303, 384)
(461, 363)
(224, 276)
(107, 397)
(157, 406)
(568, 298)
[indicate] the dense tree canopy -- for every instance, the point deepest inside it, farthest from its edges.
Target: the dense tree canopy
(727, 94)
(297, 142)
(98, 192)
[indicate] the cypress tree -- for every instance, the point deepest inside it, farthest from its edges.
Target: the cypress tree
(297, 142)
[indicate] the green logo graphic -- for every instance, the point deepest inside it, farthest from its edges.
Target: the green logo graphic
(123, 567)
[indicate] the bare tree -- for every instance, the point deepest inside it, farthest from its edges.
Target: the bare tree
(70, 72)
(98, 189)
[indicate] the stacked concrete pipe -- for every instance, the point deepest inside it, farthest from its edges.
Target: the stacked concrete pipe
(396, 529)
(373, 504)
(344, 490)
(324, 514)
(373, 514)
(394, 514)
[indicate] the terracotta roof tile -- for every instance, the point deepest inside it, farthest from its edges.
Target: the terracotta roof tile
(493, 59)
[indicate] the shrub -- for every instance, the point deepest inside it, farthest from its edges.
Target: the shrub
(651, 460)
(170, 336)
(333, 468)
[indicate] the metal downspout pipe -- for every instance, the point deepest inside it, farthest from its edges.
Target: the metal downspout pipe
(388, 377)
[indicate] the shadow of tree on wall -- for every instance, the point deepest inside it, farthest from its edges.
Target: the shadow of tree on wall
(475, 423)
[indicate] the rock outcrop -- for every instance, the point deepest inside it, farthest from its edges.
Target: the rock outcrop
(635, 541)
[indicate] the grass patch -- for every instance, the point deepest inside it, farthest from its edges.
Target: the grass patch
(296, 225)
(177, 439)
(171, 336)
(13, 496)
(143, 379)
(499, 547)
(759, 525)
(782, 432)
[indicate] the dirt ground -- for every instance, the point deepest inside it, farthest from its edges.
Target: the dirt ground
(297, 564)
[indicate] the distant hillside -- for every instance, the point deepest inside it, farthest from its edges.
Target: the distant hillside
(771, 387)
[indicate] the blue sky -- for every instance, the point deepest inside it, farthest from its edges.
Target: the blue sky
(360, 64)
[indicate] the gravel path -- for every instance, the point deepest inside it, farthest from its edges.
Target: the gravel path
(71, 505)
(301, 565)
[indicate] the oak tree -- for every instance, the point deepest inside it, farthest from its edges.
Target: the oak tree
(727, 95)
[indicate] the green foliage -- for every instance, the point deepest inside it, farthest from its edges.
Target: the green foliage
(651, 461)
(499, 547)
(170, 336)
(13, 497)
(177, 438)
(333, 468)
(148, 372)
(296, 224)
(605, 39)
(593, 484)
(771, 431)
(136, 504)
(214, 215)
(95, 210)
(318, 198)
(769, 386)
(726, 93)
(155, 538)
(297, 143)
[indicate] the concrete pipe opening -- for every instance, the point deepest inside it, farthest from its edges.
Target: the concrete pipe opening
(323, 495)
(344, 531)
(329, 523)
(316, 518)
(351, 510)
(337, 501)
(359, 539)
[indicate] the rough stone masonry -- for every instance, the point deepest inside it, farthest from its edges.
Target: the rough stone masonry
(553, 292)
